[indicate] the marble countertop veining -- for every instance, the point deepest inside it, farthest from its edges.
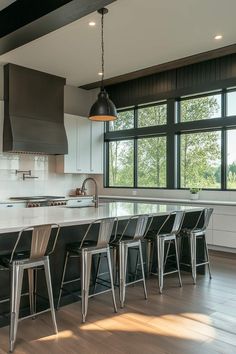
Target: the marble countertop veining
(13, 220)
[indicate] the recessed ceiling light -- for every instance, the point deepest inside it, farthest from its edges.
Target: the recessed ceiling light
(92, 23)
(218, 36)
(100, 74)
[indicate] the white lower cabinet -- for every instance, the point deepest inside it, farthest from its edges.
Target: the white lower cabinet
(85, 146)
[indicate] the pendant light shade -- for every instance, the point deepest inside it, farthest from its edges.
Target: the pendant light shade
(103, 110)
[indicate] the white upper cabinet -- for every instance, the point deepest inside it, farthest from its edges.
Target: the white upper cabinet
(85, 146)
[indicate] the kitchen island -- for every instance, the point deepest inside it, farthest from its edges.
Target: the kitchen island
(73, 222)
(13, 220)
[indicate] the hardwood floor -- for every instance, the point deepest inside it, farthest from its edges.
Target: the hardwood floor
(193, 320)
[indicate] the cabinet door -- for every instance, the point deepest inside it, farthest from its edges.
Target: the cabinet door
(83, 145)
(70, 159)
(96, 149)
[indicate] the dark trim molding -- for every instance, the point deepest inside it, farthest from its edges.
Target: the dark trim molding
(175, 64)
(19, 26)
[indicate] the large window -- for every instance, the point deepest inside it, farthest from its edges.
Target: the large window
(125, 120)
(121, 163)
(198, 108)
(184, 142)
(152, 115)
(200, 155)
(152, 162)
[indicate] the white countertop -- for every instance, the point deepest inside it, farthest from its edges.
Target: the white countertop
(171, 200)
(13, 220)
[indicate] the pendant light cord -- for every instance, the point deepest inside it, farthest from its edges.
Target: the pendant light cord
(102, 47)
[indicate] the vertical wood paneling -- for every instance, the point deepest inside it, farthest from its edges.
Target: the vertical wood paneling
(211, 74)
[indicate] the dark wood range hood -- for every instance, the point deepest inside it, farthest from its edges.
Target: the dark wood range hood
(33, 112)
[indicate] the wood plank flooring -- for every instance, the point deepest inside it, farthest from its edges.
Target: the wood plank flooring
(189, 320)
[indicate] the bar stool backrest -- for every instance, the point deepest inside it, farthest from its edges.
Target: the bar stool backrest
(207, 215)
(106, 227)
(136, 227)
(105, 231)
(141, 226)
(40, 236)
(178, 217)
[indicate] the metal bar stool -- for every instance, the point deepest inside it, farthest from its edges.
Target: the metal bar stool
(32, 260)
(161, 238)
(85, 250)
(195, 233)
(125, 242)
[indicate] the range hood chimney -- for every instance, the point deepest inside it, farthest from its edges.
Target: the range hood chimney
(33, 112)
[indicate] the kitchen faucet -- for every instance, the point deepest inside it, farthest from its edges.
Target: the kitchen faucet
(96, 189)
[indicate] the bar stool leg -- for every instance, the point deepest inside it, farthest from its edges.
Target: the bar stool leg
(207, 256)
(114, 263)
(31, 290)
(86, 272)
(177, 262)
(193, 257)
(50, 293)
(97, 272)
(16, 286)
(167, 253)
(35, 289)
(142, 268)
(62, 279)
(123, 254)
(160, 251)
(111, 279)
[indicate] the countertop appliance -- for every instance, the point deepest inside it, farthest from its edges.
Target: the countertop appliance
(41, 200)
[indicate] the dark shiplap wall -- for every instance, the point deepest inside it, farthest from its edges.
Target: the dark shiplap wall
(209, 75)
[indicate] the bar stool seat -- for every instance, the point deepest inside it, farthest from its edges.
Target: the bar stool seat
(5, 259)
(74, 247)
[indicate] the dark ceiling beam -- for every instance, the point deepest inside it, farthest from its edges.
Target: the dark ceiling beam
(25, 20)
(193, 59)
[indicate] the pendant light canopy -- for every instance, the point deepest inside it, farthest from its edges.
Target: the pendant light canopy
(103, 110)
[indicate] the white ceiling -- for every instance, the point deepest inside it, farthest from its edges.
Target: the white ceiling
(5, 3)
(138, 34)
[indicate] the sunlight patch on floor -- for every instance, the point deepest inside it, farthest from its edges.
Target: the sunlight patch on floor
(61, 335)
(191, 326)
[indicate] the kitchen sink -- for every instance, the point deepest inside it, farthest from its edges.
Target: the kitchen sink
(77, 206)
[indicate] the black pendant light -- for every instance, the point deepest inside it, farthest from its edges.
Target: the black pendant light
(103, 110)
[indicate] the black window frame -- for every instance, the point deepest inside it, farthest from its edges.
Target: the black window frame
(172, 130)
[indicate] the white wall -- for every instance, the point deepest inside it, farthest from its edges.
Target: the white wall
(78, 101)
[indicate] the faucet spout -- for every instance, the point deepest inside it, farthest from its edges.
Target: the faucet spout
(96, 201)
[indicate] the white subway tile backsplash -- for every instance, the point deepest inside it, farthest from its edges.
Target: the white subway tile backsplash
(43, 167)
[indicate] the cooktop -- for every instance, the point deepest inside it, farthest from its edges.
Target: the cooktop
(35, 197)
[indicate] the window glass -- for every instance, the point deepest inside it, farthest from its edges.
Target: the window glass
(125, 120)
(152, 162)
(231, 159)
(152, 115)
(121, 163)
(200, 159)
(231, 104)
(199, 108)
